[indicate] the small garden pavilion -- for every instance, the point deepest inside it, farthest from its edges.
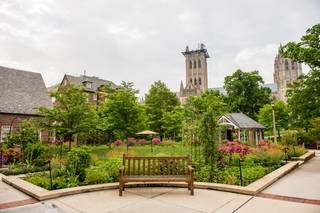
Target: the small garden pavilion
(245, 128)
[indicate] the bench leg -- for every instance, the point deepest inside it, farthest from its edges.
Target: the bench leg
(191, 188)
(120, 189)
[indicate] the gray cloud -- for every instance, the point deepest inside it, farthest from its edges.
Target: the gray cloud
(141, 41)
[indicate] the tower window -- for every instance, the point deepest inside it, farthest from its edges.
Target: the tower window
(199, 81)
(191, 80)
(293, 64)
(199, 63)
(194, 64)
(286, 64)
(190, 64)
(195, 81)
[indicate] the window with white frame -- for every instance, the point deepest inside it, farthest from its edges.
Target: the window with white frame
(5, 130)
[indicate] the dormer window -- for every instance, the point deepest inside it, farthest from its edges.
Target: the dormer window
(87, 84)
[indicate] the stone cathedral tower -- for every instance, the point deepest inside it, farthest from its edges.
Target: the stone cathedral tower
(285, 72)
(196, 73)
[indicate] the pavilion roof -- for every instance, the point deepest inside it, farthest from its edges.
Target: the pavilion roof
(242, 121)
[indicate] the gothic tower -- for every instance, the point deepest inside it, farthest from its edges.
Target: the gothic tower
(285, 72)
(196, 72)
(196, 67)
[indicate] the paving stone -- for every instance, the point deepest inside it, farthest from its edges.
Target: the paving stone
(154, 206)
(34, 208)
(203, 200)
(264, 205)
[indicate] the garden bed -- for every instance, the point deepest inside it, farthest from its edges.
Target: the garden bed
(44, 194)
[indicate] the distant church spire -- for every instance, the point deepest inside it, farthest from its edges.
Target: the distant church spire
(286, 71)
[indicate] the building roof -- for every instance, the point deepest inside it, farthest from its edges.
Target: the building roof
(242, 121)
(96, 82)
(22, 92)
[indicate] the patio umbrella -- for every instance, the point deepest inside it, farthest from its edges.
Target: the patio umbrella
(147, 132)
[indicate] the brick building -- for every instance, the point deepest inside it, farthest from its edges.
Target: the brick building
(21, 93)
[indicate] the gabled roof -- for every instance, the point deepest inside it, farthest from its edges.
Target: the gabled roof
(242, 121)
(22, 92)
(96, 82)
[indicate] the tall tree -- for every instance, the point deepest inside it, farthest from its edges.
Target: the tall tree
(172, 122)
(158, 101)
(281, 115)
(307, 50)
(71, 115)
(304, 99)
(201, 124)
(246, 93)
(304, 94)
(121, 115)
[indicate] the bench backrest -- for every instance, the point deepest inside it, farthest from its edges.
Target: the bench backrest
(155, 165)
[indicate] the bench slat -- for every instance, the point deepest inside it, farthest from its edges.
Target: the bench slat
(128, 166)
(144, 166)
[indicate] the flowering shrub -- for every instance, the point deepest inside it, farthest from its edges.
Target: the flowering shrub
(262, 143)
(142, 142)
(233, 147)
(156, 141)
(10, 155)
(131, 141)
(117, 142)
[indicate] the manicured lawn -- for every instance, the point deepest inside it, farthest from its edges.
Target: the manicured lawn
(103, 151)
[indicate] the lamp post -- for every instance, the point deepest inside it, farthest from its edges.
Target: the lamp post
(274, 124)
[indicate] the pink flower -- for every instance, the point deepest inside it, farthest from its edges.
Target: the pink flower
(117, 142)
(234, 147)
(156, 141)
(262, 143)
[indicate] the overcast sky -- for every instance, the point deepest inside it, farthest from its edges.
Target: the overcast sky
(141, 41)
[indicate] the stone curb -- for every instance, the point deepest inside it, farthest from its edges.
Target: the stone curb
(305, 157)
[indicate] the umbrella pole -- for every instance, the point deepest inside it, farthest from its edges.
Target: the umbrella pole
(151, 147)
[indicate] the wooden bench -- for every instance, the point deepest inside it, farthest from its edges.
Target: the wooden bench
(156, 169)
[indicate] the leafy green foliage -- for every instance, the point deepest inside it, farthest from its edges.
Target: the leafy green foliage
(246, 93)
(281, 116)
(307, 50)
(172, 122)
(40, 179)
(159, 100)
(78, 160)
(121, 115)
(201, 117)
(303, 99)
(304, 94)
(105, 171)
(71, 115)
